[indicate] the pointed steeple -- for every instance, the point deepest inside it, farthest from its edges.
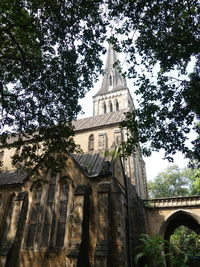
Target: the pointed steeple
(114, 94)
(112, 79)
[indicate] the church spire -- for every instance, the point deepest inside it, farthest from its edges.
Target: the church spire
(112, 79)
(113, 95)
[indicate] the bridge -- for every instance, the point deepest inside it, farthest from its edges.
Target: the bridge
(164, 215)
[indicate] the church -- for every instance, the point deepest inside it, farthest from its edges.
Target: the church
(93, 211)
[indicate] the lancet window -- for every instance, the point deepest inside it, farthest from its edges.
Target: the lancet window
(116, 105)
(47, 217)
(7, 221)
(48, 213)
(111, 106)
(110, 80)
(104, 108)
(91, 142)
(34, 216)
(62, 213)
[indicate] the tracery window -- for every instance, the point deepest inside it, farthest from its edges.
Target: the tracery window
(91, 142)
(34, 215)
(48, 213)
(47, 216)
(61, 224)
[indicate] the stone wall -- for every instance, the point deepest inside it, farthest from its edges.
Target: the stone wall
(95, 231)
(160, 213)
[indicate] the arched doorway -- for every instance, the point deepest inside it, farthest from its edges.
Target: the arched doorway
(184, 247)
(179, 221)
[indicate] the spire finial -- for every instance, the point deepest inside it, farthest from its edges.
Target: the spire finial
(113, 79)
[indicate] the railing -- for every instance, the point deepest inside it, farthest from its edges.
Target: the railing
(172, 202)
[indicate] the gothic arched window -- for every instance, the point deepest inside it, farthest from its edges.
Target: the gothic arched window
(104, 107)
(111, 106)
(47, 216)
(62, 213)
(48, 213)
(34, 215)
(117, 105)
(91, 142)
(4, 240)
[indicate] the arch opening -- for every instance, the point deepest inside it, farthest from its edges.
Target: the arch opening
(117, 105)
(175, 229)
(111, 106)
(177, 219)
(184, 246)
(91, 142)
(110, 80)
(104, 108)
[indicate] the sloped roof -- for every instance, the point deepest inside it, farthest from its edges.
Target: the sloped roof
(94, 163)
(100, 120)
(12, 177)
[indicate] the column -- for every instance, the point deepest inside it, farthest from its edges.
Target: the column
(102, 247)
(78, 228)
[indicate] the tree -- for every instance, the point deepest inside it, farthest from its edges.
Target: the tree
(184, 244)
(167, 39)
(172, 182)
(49, 58)
(195, 177)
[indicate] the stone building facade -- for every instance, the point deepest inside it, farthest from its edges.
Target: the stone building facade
(75, 218)
(84, 215)
(93, 211)
(102, 130)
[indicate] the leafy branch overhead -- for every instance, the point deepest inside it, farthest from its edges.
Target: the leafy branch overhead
(167, 42)
(50, 57)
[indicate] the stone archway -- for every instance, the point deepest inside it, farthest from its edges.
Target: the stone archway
(178, 218)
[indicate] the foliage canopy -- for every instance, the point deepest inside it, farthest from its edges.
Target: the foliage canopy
(167, 39)
(50, 56)
(175, 182)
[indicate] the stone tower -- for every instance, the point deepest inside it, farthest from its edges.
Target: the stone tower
(114, 94)
(102, 130)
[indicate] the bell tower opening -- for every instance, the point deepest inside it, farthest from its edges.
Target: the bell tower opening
(104, 108)
(116, 105)
(111, 106)
(110, 78)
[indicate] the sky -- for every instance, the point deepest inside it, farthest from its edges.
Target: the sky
(155, 163)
